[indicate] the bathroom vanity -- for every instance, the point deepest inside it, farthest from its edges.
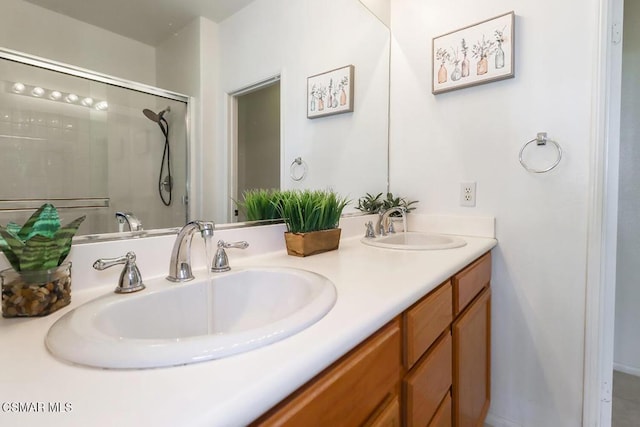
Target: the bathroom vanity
(429, 366)
(407, 339)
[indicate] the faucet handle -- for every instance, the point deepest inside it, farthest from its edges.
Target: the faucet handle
(370, 233)
(221, 260)
(130, 278)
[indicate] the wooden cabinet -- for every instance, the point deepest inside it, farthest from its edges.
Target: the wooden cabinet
(350, 391)
(472, 362)
(428, 367)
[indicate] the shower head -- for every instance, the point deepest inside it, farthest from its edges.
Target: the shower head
(153, 116)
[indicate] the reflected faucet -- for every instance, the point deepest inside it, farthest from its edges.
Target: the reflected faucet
(130, 219)
(385, 225)
(180, 264)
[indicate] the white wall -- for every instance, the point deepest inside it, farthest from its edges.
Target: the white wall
(475, 134)
(37, 31)
(627, 345)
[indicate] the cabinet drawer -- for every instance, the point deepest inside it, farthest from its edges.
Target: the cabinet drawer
(428, 383)
(442, 418)
(470, 281)
(425, 321)
(349, 391)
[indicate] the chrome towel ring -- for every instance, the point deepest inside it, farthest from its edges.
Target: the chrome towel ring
(298, 169)
(541, 139)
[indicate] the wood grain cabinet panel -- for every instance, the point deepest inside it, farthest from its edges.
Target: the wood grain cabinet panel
(472, 363)
(442, 418)
(427, 383)
(470, 281)
(389, 416)
(425, 321)
(348, 392)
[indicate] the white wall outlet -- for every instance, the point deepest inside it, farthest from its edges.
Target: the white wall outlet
(468, 194)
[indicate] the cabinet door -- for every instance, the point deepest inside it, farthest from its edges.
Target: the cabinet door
(348, 392)
(472, 362)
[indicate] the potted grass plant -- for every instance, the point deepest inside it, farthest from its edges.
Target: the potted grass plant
(312, 218)
(39, 281)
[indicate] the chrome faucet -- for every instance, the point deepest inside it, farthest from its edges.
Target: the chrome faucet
(180, 264)
(385, 225)
(130, 219)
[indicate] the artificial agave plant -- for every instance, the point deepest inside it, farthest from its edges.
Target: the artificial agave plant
(40, 244)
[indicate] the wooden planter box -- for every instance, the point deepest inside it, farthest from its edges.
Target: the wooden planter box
(315, 242)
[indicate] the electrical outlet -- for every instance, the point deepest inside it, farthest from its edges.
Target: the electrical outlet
(468, 194)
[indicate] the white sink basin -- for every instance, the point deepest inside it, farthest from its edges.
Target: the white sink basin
(413, 240)
(173, 324)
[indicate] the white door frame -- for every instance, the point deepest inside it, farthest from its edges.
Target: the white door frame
(232, 133)
(603, 212)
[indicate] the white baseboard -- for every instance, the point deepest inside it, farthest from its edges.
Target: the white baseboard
(496, 421)
(631, 370)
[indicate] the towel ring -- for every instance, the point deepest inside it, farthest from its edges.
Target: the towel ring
(541, 139)
(294, 168)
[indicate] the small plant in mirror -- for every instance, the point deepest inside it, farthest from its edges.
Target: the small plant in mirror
(260, 204)
(374, 204)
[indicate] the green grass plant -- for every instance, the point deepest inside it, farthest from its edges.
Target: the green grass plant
(311, 210)
(260, 204)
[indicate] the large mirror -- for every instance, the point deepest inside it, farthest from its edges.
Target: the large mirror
(217, 63)
(117, 155)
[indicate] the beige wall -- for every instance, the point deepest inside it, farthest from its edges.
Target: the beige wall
(37, 31)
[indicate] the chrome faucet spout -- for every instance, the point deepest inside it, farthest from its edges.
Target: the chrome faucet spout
(382, 226)
(130, 219)
(180, 264)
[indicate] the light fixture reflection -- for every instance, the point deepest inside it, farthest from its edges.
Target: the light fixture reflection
(18, 87)
(37, 92)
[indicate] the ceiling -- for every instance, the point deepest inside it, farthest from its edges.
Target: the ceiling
(148, 21)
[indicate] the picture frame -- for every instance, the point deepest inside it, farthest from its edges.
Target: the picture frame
(477, 54)
(330, 93)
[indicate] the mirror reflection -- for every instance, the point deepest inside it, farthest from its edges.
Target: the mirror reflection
(266, 44)
(91, 149)
(345, 152)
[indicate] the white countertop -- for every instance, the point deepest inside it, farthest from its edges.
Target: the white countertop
(374, 285)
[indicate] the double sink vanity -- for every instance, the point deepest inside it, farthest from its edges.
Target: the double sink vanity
(366, 334)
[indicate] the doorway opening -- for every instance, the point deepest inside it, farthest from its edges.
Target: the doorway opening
(256, 140)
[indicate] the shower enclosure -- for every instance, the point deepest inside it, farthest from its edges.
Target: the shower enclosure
(84, 142)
